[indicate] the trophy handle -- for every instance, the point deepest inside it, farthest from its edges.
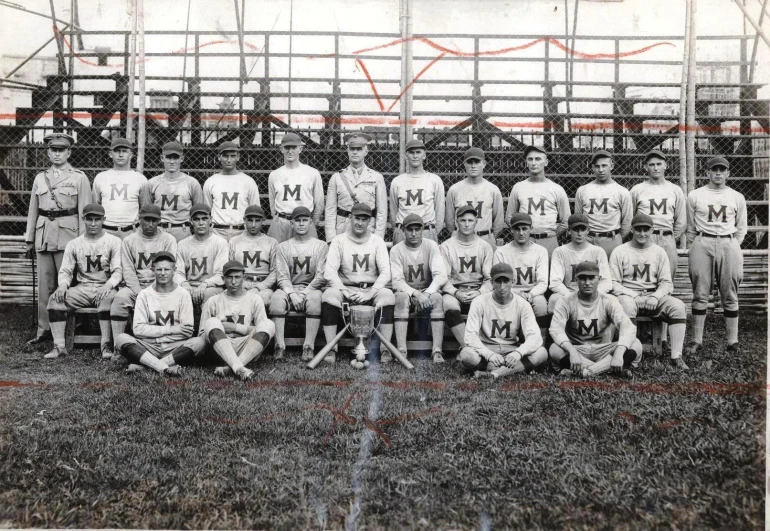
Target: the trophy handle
(345, 313)
(378, 324)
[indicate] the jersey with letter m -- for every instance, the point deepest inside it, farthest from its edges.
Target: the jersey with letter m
(582, 323)
(93, 261)
(492, 323)
(530, 266)
(721, 212)
(301, 264)
(245, 310)
(175, 198)
(155, 313)
(664, 203)
(468, 265)
(201, 261)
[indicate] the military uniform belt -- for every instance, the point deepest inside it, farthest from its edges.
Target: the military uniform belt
(228, 227)
(53, 214)
(346, 213)
(608, 234)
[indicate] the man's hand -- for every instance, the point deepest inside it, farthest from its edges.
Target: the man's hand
(30, 251)
(512, 359)
(197, 294)
(650, 304)
(640, 301)
(366, 295)
(229, 327)
(495, 361)
(103, 292)
(575, 361)
(472, 294)
(421, 302)
(60, 295)
(298, 301)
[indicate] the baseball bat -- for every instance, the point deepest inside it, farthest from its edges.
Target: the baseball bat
(393, 350)
(312, 364)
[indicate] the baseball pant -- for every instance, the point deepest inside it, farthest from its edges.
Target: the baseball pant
(239, 351)
(122, 304)
(335, 297)
(473, 359)
(401, 311)
(453, 317)
(608, 243)
(279, 306)
(80, 296)
(160, 350)
(719, 258)
(429, 233)
(539, 305)
(48, 264)
(281, 229)
(227, 234)
(669, 310)
(597, 357)
(669, 245)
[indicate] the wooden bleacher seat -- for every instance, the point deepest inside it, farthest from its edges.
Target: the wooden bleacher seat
(70, 334)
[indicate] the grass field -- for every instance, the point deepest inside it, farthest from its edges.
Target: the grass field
(86, 445)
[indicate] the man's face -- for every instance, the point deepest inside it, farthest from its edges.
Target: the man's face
(641, 234)
(718, 175)
(300, 225)
(357, 154)
(474, 167)
(502, 286)
(233, 281)
(536, 162)
(229, 160)
(360, 224)
(603, 168)
(466, 224)
(291, 153)
(656, 167)
(521, 233)
(164, 271)
(416, 157)
(172, 162)
(587, 284)
(93, 224)
(579, 233)
(201, 223)
(149, 225)
(121, 157)
(58, 155)
(254, 225)
(413, 234)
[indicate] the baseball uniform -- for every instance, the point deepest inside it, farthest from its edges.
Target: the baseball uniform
(483, 196)
(120, 193)
(367, 186)
(665, 204)
(530, 269)
(200, 262)
(609, 211)
(289, 188)
(228, 196)
(257, 254)
(548, 205)
(175, 198)
(421, 194)
(562, 281)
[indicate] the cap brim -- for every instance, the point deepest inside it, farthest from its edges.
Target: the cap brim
(576, 225)
(648, 225)
(153, 216)
(502, 275)
(527, 223)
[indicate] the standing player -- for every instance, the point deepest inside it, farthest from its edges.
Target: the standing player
(54, 219)
(174, 192)
(418, 272)
(542, 199)
(495, 322)
(417, 192)
(94, 259)
(565, 259)
(229, 192)
(358, 271)
(356, 184)
(641, 280)
(468, 261)
(293, 185)
(299, 265)
(716, 226)
(529, 262)
(119, 191)
(606, 204)
(479, 193)
(582, 328)
(136, 254)
(163, 324)
(235, 324)
(256, 251)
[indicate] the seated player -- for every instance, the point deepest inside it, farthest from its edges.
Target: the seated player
(641, 280)
(94, 259)
(163, 323)
(468, 261)
(565, 259)
(256, 251)
(418, 273)
(299, 265)
(529, 262)
(492, 335)
(583, 326)
(357, 271)
(235, 324)
(200, 257)
(136, 254)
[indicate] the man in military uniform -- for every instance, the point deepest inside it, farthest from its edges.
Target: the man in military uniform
(55, 218)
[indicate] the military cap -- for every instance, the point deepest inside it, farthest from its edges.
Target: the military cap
(466, 209)
(361, 209)
(576, 220)
(291, 139)
(718, 161)
(534, 148)
(519, 218)
(163, 255)
(473, 153)
(602, 153)
(254, 210)
(59, 140)
(642, 220)
(121, 143)
(414, 143)
(586, 268)
(358, 139)
(150, 211)
(93, 208)
(301, 211)
(198, 208)
(228, 146)
(412, 219)
(654, 153)
(173, 147)
(501, 269)
(232, 265)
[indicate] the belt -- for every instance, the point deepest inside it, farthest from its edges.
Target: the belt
(608, 234)
(346, 213)
(362, 285)
(168, 224)
(541, 235)
(53, 214)
(483, 232)
(229, 227)
(256, 278)
(120, 229)
(285, 216)
(663, 232)
(708, 235)
(429, 225)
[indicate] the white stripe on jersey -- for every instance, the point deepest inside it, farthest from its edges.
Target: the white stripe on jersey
(228, 196)
(119, 192)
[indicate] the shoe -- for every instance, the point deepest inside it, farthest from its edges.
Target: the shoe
(222, 371)
(679, 363)
(331, 357)
(566, 373)
(55, 353)
(479, 375)
(626, 374)
(387, 357)
(244, 374)
(45, 336)
(133, 367)
(693, 348)
(438, 357)
(174, 370)
(279, 352)
(308, 353)
(665, 347)
(733, 349)
(107, 353)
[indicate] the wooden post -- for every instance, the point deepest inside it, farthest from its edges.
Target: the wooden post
(131, 75)
(691, 74)
(409, 71)
(683, 102)
(142, 94)
(402, 106)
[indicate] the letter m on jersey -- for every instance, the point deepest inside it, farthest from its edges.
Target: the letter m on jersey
(413, 272)
(524, 277)
(642, 272)
(363, 262)
(251, 259)
(169, 204)
(467, 263)
(600, 206)
(161, 320)
(231, 201)
(121, 192)
(590, 329)
(479, 208)
(298, 265)
(198, 267)
(534, 206)
(93, 263)
(288, 191)
(239, 319)
(716, 213)
(661, 207)
(416, 197)
(144, 260)
(500, 328)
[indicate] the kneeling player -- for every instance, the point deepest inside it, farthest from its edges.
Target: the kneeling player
(641, 280)
(299, 265)
(418, 273)
(235, 324)
(495, 322)
(163, 323)
(582, 329)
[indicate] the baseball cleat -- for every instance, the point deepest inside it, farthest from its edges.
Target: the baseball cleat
(222, 371)
(55, 353)
(733, 349)
(566, 373)
(45, 336)
(279, 352)
(107, 353)
(307, 353)
(438, 357)
(387, 357)
(174, 370)
(693, 348)
(331, 357)
(484, 374)
(679, 363)
(244, 374)
(134, 367)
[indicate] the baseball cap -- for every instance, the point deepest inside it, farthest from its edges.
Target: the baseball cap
(577, 219)
(519, 218)
(200, 207)
(586, 268)
(228, 146)
(717, 161)
(150, 211)
(642, 220)
(415, 143)
(301, 211)
(232, 265)
(59, 140)
(501, 270)
(173, 147)
(654, 153)
(291, 139)
(358, 139)
(600, 154)
(254, 210)
(466, 209)
(473, 153)
(361, 209)
(534, 148)
(93, 208)
(163, 255)
(412, 219)
(121, 143)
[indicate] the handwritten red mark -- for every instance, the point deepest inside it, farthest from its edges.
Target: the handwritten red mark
(628, 416)
(372, 426)
(410, 416)
(677, 422)
(337, 418)
(14, 383)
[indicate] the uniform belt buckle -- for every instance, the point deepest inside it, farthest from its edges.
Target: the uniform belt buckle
(363, 285)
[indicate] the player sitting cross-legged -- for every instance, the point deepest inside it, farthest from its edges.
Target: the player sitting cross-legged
(163, 324)
(235, 324)
(582, 328)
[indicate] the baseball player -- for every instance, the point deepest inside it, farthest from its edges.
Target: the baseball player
(582, 328)
(495, 322)
(299, 265)
(565, 259)
(468, 261)
(229, 192)
(256, 251)
(356, 184)
(136, 254)
(235, 324)
(119, 191)
(94, 259)
(529, 263)
(293, 185)
(55, 217)
(716, 227)
(641, 280)
(542, 199)
(479, 193)
(418, 273)
(163, 324)
(174, 192)
(200, 257)
(357, 270)
(606, 204)
(417, 192)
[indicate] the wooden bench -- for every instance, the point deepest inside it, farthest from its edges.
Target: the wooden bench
(648, 327)
(71, 337)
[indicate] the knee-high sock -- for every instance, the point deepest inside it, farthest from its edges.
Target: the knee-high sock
(118, 325)
(628, 358)
(698, 321)
(677, 339)
(543, 322)
(105, 326)
(437, 331)
(664, 332)
(311, 330)
(731, 323)
(280, 330)
(135, 354)
(459, 332)
(58, 321)
(456, 325)
(330, 318)
(386, 323)
(254, 346)
(401, 326)
(225, 350)
(178, 356)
